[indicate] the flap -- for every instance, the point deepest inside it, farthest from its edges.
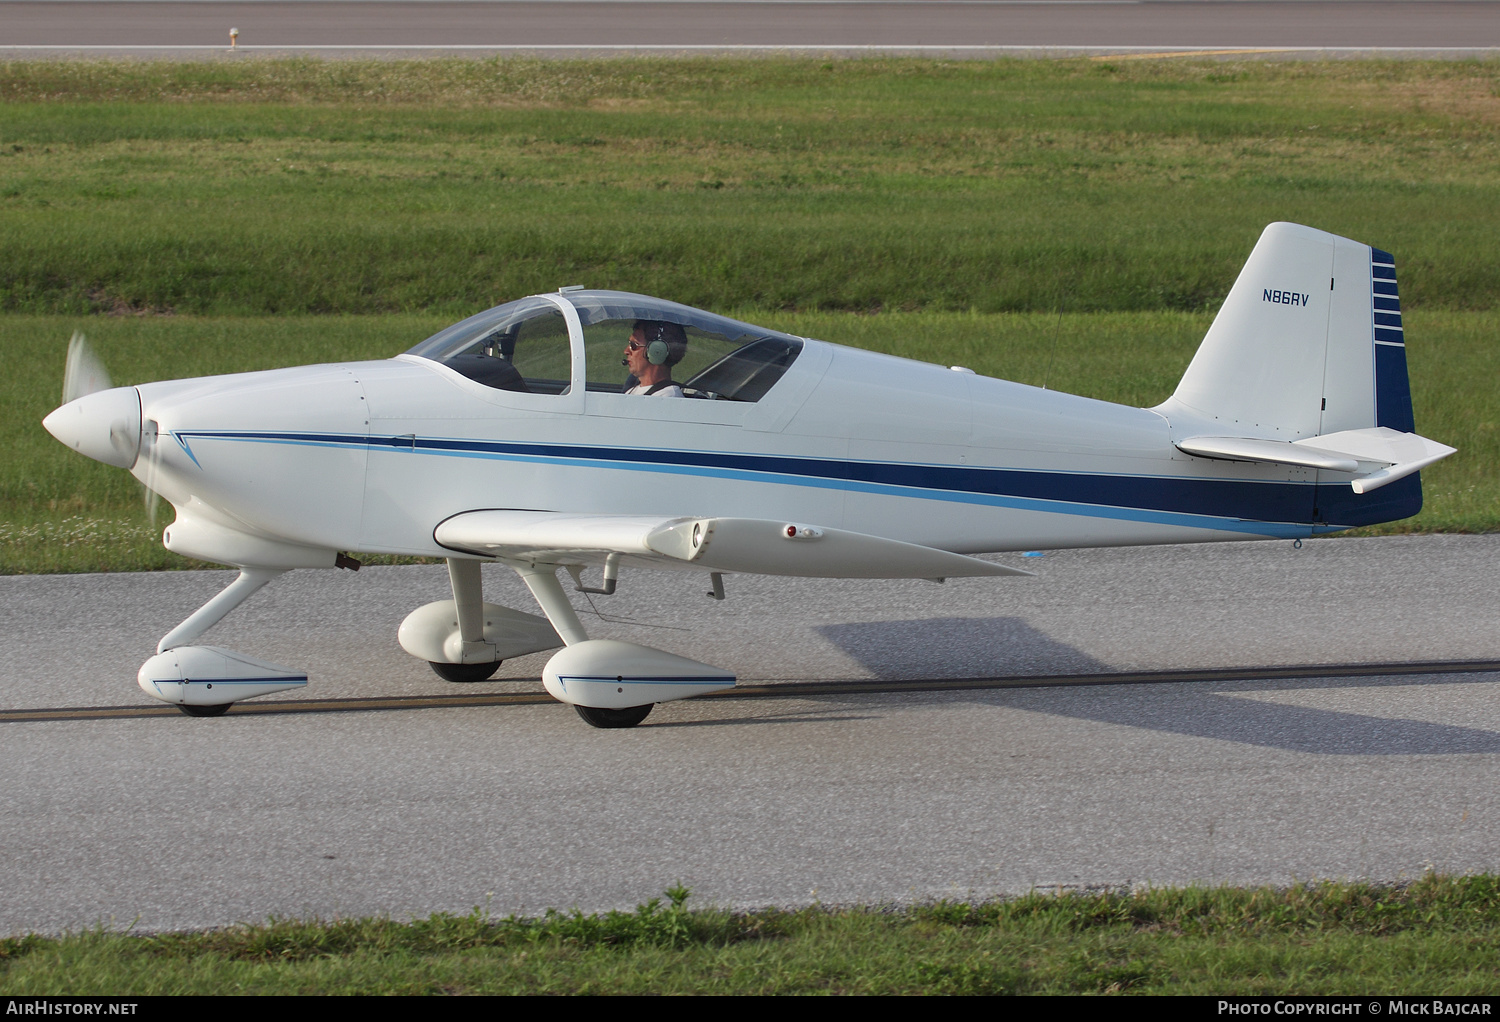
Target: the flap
(747, 545)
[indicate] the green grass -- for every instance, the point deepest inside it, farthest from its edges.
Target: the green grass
(1438, 935)
(353, 187)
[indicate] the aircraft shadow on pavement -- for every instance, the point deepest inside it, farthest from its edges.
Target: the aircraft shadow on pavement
(957, 647)
(999, 647)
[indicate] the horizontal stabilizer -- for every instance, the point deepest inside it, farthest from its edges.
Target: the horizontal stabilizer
(1405, 453)
(751, 546)
(1400, 453)
(1277, 452)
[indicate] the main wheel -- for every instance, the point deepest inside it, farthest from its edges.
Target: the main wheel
(217, 710)
(598, 716)
(465, 673)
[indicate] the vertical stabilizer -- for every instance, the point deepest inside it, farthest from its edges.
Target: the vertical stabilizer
(1305, 366)
(1308, 343)
(1263, 366)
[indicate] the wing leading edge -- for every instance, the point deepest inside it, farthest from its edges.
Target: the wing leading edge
(744, 545)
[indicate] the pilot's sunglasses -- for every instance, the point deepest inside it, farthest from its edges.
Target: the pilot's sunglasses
(634, 345)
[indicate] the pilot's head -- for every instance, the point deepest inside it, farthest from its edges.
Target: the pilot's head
(656, 343)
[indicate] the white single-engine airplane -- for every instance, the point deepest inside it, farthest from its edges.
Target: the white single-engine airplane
(508, 437)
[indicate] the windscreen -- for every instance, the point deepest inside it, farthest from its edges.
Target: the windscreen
(521, 346)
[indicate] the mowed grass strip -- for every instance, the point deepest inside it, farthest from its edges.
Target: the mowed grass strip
(62, 512)
(250, 186)
(1439, 935)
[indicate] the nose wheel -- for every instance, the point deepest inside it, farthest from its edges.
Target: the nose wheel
(598, 716)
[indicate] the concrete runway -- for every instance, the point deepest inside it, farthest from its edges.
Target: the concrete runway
(580, 27)
(167, 822)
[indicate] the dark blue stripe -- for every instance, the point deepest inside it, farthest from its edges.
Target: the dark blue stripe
(1387, 319)
(1394, 336)
(297, 679)
(1392, 392)
(1338, 505)
(1219, 498)
(1274, 502)
(1337, 502)
(1384, 287)
(1388, 304)
(649, 679)
(1377, 256)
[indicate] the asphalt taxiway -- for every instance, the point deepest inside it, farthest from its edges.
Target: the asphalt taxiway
(973, 769)
(979, 28)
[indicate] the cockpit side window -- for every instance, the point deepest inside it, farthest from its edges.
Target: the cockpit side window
(521, 347)
(722, 359)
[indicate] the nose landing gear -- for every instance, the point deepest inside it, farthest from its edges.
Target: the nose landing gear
(204, 681)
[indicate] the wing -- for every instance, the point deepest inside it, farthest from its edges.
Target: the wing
(747, 545)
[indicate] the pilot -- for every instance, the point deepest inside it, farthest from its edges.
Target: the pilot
(653, 349)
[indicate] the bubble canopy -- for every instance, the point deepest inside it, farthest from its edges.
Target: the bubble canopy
(525, 346)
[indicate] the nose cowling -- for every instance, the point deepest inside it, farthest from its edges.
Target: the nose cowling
(104, 425)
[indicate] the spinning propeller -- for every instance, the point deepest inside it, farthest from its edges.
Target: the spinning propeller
(84, 374)
(104, 421)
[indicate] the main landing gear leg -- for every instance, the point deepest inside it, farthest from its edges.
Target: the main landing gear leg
(479, 660)
(543, 583)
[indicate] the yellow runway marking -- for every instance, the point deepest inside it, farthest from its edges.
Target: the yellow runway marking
(785, 690)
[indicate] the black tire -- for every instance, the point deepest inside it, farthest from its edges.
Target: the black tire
(598, 716)
(217, 710)
(465, 674)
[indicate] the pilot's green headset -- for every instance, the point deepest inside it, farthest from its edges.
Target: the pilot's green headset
(657, 350)
(662, 347)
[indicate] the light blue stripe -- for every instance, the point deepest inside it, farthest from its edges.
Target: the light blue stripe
(1288, 530)
(1173, 518)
